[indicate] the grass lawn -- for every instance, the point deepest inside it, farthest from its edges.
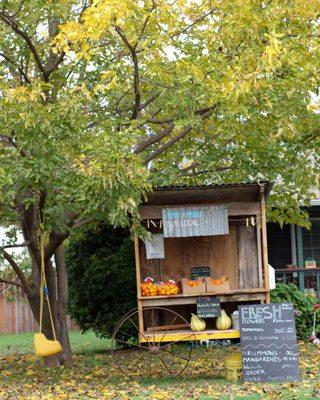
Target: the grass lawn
(80, 343)
(93, 376)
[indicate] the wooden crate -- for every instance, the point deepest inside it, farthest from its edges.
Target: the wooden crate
(210, 288)
(186, 289)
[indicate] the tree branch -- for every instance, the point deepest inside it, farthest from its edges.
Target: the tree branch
(136, 79)
(11, 246)
(197, 20)
(168, 144)
(11, 22)
(22, 72)
(150, 100)
(150, 140)
(10, 141)
(159, 121)
(184, 173)
(19, 9)
(136, 86)
(153, 139)
(18, 272)
(83, 222)
(172, 141)
(144, 26)
(11, 282)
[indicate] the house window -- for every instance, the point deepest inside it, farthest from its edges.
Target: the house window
(311, 241)
(279, 245)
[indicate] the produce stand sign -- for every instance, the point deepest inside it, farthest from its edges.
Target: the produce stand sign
(195, 221)
(208, 307)
(269, 343)
(200, 272)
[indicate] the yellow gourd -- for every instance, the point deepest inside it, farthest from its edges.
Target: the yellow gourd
(223, 321)
(197, 324)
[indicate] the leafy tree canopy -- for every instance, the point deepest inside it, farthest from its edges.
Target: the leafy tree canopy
(198, 91)
(218, 91)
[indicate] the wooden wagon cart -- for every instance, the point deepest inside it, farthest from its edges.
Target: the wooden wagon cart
(215, 231)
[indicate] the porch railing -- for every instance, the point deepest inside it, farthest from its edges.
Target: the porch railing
(303, 278)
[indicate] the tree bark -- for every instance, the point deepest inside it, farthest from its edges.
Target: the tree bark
(62, 284)
(57, 284)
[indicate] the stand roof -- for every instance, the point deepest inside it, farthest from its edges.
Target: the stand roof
(225, 193)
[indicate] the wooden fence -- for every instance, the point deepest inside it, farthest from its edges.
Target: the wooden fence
(16, 315)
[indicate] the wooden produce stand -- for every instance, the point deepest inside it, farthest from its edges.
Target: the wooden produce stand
(240, 255)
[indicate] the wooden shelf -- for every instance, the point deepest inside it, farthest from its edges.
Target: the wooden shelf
(229, 292)
(179, 299)
(187, 335)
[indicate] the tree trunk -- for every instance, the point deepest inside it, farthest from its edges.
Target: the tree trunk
(57, 284)
(58, 295)
(62, 284)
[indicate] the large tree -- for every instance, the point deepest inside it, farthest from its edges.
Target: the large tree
(102, 99)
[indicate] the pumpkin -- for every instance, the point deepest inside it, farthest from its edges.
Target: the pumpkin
(223, 321)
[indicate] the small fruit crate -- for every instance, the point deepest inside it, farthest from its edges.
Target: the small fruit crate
(212, 287)
(197, 286)
(150, 288)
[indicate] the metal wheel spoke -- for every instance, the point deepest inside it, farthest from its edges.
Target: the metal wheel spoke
(125, 333)
(139, 332)
(165, 365)
(177, 341)
(149, 368)
(124, 356)
(139, 359)
(175, 355)
(128, 367)
(153, 332)
(134, 345)
(174, 320)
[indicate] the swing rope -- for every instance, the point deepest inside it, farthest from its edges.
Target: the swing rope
(43, 346)
(44, 290)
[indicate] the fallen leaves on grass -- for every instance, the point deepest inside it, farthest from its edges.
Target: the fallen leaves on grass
(24, 377)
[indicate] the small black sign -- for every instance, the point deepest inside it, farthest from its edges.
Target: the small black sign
(208, 307)
(200, 272)
(269, 343)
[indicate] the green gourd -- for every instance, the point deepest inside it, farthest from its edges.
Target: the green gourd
(197, 324)
(223, 321)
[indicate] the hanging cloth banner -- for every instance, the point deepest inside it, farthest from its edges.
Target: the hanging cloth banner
(195, 221)
(155, 247)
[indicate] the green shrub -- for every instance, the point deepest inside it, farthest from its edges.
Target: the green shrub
(291, 294)
(102, 282)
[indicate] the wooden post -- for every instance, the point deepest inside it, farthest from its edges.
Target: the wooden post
(258, 232)
(138, 277)
(264, 246)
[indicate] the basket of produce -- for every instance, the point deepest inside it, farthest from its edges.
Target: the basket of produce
(195, 286)
(151, 288)
(217, 285)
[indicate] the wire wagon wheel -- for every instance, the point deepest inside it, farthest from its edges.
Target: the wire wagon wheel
(160, 350)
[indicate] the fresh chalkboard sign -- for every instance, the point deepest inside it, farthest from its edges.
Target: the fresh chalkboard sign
(269, 343)
(200, 272)
(208, 307)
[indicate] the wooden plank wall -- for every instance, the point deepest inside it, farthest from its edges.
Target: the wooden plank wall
(16, 316)
(234, 255)
(248, 258)
(220, 253)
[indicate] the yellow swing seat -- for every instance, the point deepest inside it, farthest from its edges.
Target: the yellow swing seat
(44, 347)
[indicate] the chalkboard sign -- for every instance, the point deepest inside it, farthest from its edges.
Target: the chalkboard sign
(208, 307)
(200, 272)
(269, 343)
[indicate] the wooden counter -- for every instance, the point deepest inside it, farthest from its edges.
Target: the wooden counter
(178, 299)
(188, 335)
